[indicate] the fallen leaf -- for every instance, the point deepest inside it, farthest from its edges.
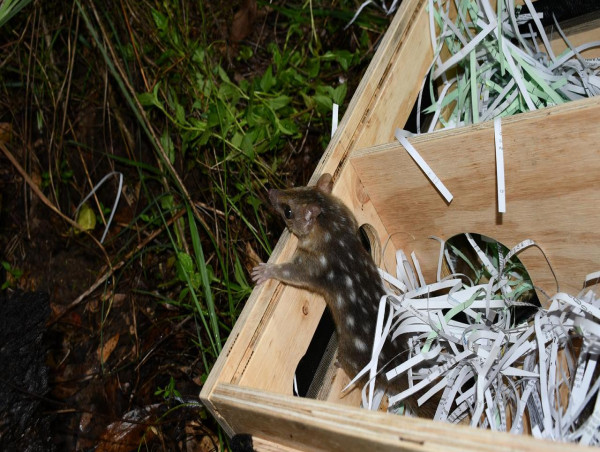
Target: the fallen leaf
(124, 436)
(243, 21)
(5, 132)
(197, 441)
(107, 348)
(252, 258)
(85, 422)
(86, 218)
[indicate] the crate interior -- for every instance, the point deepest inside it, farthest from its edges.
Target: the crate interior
(551, 177)
(546, 179)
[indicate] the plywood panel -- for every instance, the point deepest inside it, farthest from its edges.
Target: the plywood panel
(578, 32)
(552, 190)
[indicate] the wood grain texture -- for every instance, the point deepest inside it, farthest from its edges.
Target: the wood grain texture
(244, 335)
(311, 425)
(552, 166)
(263, 445)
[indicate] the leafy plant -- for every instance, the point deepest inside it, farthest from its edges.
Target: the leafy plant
(13, 275)
(231, 133)
(169, 391)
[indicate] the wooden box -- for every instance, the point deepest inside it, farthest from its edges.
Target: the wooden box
(553, 194)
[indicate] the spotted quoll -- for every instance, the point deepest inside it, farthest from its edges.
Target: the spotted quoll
(331, 261)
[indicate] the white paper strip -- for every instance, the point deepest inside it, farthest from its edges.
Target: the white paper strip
(462, 342)
(424, 166)
(334, 118)
(500, 165)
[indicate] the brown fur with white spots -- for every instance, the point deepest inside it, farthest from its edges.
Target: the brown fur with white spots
(331, 261)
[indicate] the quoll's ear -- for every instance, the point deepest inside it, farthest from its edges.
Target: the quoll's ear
(325, 183)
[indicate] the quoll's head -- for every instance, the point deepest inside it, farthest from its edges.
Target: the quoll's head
(300, 207)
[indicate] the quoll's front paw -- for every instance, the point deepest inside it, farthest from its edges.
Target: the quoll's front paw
(261, 273)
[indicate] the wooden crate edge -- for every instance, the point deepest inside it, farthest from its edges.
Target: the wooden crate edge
(342, 142)
(306, 424)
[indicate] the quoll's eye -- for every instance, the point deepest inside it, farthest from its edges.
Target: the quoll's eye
(287, 211)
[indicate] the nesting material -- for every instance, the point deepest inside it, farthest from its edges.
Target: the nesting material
(537, 376)
(494, 69)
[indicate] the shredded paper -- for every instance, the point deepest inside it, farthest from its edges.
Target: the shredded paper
(482, 366)
(495, 70)
(469, 353)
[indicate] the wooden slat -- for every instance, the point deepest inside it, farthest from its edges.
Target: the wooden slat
(396, 69)
(552, 159)
(263, 445)
(310, 425)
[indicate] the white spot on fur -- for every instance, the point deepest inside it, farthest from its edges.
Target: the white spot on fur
(349, 281)
(323, 261)
(331, 275)
(350, 321)
(286, 273)
(340, 301)
(327, 237)
(360, 345)
(352, 296)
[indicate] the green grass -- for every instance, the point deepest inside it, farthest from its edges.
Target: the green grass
(231, 133)
(8, 9)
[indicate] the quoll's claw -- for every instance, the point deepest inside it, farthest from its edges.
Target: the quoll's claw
(260, 273)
